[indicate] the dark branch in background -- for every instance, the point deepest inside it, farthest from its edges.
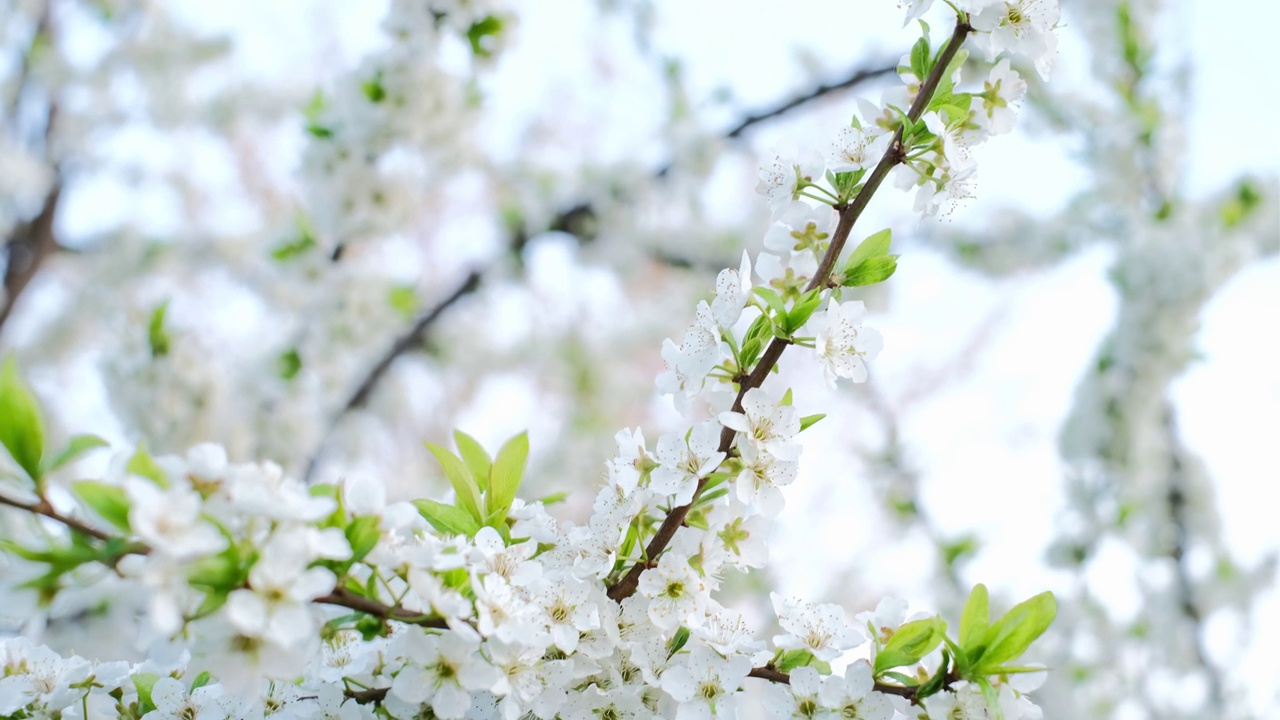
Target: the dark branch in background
(32, 242)
(406, 342)
(578, 220)
(849, 214)
(27, 249)
(1176, 498)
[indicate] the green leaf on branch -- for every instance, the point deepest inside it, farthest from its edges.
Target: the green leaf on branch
(475, 456)
(158, 338)
(21, 427)
(870, 272)
(482, 35)
(975, 619)
(460, 477)
(108, 501)
(909, 643)
(1012, 634)
(448, 518)
(921, 56)
(288, 364)
(808, 421)
(362, 534)
(802, 310)
(145, 682)
(773, 300)
(142, 465)
(76, 446)
(792, 659)
(678, 641)
(870, 262)
(508, 469)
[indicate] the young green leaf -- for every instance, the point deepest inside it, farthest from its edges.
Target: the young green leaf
(76, 447)
(772, 299)
(876, 245)
(447, 518)
(362, 534)
(142, 465)
(21, 428)
(108, 501)
(475, 456)
(808, 421)
(157, 336)
(909, 643)
(460, 477)
(870, 272)
(1012, 634)
(976, 617)
(508, 468)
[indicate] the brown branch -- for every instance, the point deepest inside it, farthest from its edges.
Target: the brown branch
(772, 674)
(342, 597)
(849, 214)
(43, 508)
(858, 76)
(31, 244)
(411, 339)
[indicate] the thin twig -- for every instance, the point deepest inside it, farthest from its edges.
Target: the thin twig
(413, 338)
(849, 214)
(43, 508)
(342, 597)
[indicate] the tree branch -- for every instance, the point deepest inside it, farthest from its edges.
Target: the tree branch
(31, 244)
(342, 597)
(43, 508)
(849, 214)
(411, 339)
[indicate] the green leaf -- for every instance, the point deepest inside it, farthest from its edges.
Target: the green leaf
(482, 35)
(876, 245)
(1010, 636)
(803, 309)
(792, 659)
(21, 428)
(404, 300)
(204, 678)
(553, 498)
(157, 337)
(362, 533)
(870, 272)
(109, 501)
(678, 641)
(142, 465)
(475, 457)
(909, 643)
(144, 682)
(786, 398)
(508, 469)
(296, 246)
(373, 89)
(920, 56)
(772, 299)
(808, 421)
(460, 477)
(975, 620)
(219, 573)
(289, 364)
(76, 447)
(447, 518)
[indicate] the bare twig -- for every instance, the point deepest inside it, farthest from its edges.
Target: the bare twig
(411, 339)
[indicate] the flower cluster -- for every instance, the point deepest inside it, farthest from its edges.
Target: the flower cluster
(331, 601)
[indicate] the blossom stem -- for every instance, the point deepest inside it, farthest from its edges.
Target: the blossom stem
(848, 214)
(44, 508)
(772, 674)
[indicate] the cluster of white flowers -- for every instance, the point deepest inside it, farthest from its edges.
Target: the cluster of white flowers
(329, 601)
